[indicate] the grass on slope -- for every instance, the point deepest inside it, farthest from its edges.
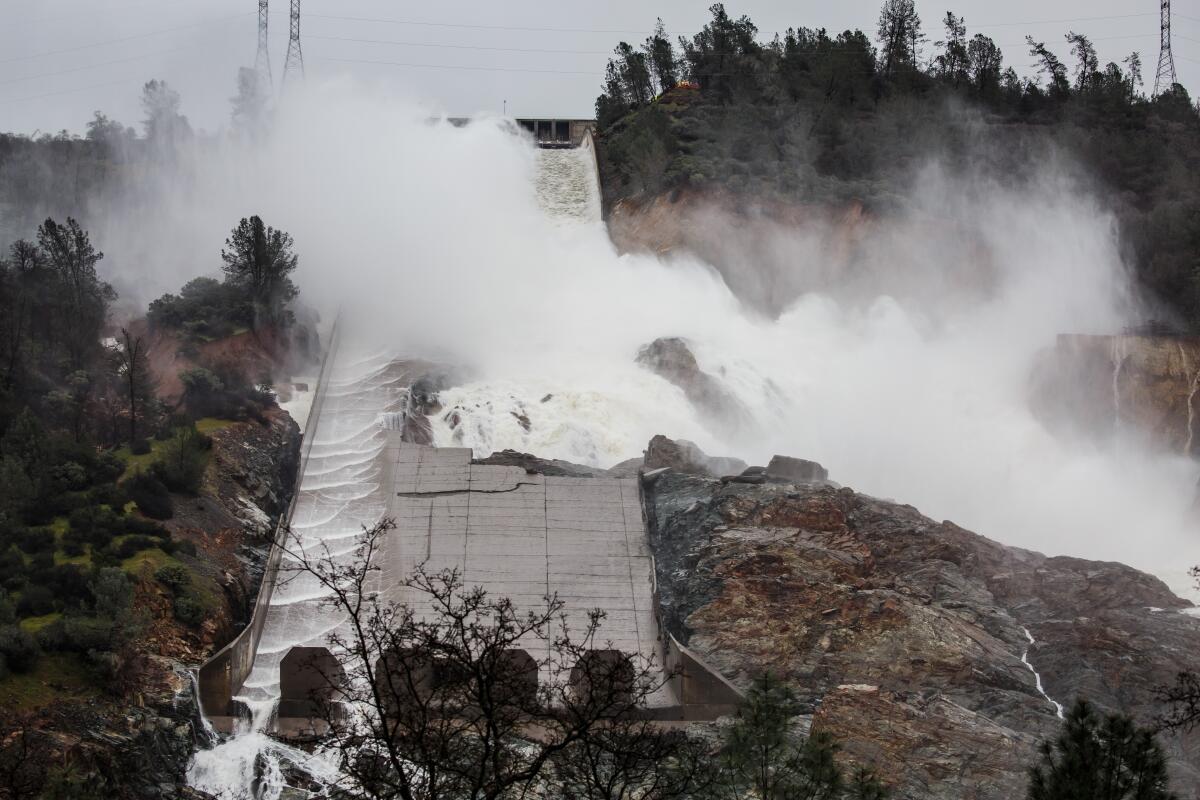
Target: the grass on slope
(56, 678)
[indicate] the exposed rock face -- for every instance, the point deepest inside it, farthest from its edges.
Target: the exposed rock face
(754, 243)
(683, 456)
(796, 470)
(671, 359)
(1150, 384)
(905, 636)
(264, 352)
(248, 485)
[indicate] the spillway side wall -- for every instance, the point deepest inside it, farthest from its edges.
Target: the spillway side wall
(222, 676)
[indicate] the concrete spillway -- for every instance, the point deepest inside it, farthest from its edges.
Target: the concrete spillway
(525, 537)
(519, 535)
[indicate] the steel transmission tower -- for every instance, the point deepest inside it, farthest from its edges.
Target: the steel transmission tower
(295, 57)
(1164, 78)
(262, 62)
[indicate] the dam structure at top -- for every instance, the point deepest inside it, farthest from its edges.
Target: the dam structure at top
(515, 532)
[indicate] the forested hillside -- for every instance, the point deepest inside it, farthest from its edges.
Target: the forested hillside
(830, 118)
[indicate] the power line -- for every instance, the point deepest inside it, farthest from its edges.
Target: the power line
(95, 66)
(457, 66)
(1058, 21)
(124, 81)
(545, 51)
(124, 39)
(476, 27)
(464, 46)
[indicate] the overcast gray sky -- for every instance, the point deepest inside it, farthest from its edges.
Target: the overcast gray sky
(62, 59)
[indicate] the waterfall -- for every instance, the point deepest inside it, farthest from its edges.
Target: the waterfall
(339, 492)
(1058, 709)
(1191, 402)
(1120, 352)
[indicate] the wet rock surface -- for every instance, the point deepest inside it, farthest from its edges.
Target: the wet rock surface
(672, 359)
(541, 466)
(135, 752)
(906, 635)
(1134, 383)
(683, 456)
(248, 485)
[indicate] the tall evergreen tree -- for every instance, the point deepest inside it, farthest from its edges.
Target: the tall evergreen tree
(899, 35)
(765, 758)
(1100, 758)
(259, 260)
(661, 55)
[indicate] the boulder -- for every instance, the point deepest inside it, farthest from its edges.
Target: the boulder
(671, 358)
(796, 470)
(684, 456)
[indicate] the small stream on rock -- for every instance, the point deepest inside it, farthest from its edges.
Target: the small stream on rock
(1058, 709)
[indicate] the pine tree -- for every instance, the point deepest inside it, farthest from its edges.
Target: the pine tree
(1100, 758)
(764, 758)
(259, 260)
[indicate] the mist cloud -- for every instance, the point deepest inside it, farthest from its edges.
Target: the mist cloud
(909, 381)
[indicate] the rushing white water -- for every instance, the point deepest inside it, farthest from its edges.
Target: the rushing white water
(1191, 402)
(1058, 709)
(1120, 354)
(339, 492)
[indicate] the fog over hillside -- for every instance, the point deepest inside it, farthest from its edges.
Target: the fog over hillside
(912, 383)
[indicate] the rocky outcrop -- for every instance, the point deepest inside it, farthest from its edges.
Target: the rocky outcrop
(139, 751)
(905, 637)
(671, 358)
(1149, 384)
(684, 456)
(248, 485)
(754, 243)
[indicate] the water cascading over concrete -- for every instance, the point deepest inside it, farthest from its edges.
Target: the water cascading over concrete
(519, 535)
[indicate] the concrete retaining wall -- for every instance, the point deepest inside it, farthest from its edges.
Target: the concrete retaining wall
(222, 676)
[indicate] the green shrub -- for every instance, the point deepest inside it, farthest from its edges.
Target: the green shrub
(107, 494)
(145, 527)
(132, 545)
(35, 601)
(19, 649)
(182, 461)
(152, 497)
(35, 540)
(188, 610)
(174, 577)
(108, 468)
(94, 525)
(77, 634)
(68, 477)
